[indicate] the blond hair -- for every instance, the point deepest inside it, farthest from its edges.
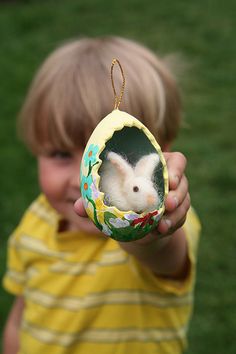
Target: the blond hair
(72, 92)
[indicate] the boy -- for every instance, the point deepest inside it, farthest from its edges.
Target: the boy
(77, 291)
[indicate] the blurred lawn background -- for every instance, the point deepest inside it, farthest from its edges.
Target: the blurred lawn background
(203, 32)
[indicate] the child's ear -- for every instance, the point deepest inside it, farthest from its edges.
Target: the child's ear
(121, 165)
(146, 165)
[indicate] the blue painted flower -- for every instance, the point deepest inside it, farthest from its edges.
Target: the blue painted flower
(132, 216)
(91, 155)
(86, 190)
(118, 223)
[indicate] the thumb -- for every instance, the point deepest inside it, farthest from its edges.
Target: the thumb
(79, 208)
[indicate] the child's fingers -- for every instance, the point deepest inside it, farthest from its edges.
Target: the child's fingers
(176, 164)
(79, 208)
(177, 196)
(174, 220)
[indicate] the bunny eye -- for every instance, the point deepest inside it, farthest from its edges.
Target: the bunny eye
(135, 189)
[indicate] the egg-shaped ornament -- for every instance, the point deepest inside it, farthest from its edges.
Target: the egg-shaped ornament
(123, 174)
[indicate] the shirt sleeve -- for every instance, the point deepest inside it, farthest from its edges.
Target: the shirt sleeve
(14, 278)
(39, 216)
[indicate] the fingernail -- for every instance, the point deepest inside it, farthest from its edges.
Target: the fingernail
(176, 201)
(167, 222)
(176, 178)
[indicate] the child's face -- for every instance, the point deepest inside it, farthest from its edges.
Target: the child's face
(59, 180)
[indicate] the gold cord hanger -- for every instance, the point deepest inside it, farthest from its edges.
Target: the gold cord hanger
(117, 98)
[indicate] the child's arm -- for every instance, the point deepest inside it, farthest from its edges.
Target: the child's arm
(168, 256)
(165, 256)
(11, 332)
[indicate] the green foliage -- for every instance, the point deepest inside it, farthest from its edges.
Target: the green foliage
(131, 232)
(203, 32)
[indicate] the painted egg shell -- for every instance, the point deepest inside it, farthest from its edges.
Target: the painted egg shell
(127, 136)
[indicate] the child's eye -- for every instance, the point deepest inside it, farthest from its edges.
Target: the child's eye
(57, 154)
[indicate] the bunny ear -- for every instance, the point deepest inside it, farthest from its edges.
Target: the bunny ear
(146, 165)
(122, 166)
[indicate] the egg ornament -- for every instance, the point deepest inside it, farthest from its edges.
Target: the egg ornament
(123, 176)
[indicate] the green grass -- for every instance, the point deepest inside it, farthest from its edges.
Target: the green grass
(203, 32)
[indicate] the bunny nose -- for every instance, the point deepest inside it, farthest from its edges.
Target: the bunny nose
(151, 199)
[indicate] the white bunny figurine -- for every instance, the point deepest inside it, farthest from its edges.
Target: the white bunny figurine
(129, 187)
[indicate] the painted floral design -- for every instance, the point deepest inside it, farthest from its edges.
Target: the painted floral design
(112, 222)
(91, 155)
(86, 182)
(118, 223)
(146, 220)
(106, 230)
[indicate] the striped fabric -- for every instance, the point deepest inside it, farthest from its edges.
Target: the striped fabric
(84, 294)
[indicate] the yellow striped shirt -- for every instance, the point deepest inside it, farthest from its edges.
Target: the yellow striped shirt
(84, 294)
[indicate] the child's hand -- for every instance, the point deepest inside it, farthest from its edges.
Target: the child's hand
(177, 201)
(79, 208)
(165, 256)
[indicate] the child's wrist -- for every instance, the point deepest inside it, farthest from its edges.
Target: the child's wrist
(149, 244)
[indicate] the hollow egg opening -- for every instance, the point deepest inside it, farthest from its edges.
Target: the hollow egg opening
(132, 144)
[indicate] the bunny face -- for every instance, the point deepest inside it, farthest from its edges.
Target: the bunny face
(142, 194)
(130, 187)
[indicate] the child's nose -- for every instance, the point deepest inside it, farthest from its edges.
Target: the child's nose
(75, 180)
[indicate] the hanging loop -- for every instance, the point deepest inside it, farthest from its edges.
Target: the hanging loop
(118, 98)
